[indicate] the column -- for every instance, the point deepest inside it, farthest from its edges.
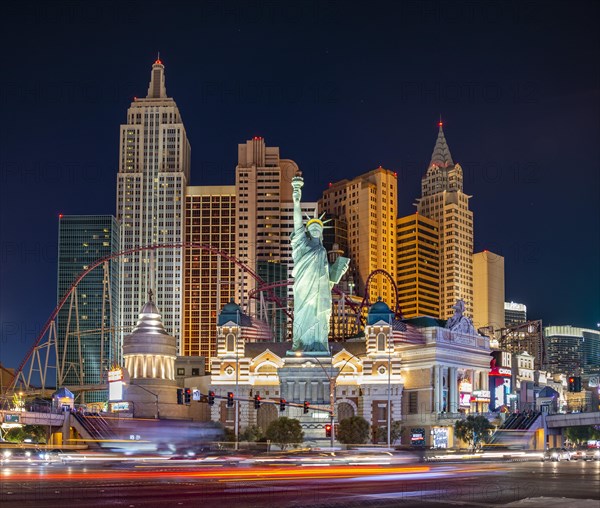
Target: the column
(453, 389)
(436, 388)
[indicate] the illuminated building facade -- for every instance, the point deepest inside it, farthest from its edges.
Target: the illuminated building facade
(418, 275)
(488, 290)
(572, 350)
(154, 169)
(92, 342)
(514, 314)
(368, 204)
(209, 279)
(443, 200)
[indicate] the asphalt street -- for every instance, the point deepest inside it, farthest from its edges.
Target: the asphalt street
(164, 483)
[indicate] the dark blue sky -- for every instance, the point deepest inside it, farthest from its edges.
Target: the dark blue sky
(341, 87)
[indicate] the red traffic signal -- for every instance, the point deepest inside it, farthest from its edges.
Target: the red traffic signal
(306, 406)
(229, 399)
(328, 430)
(257, 401)
(211, 398)
(282, 404)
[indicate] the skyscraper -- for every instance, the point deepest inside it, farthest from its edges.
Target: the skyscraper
(572, 350)
(154, 168)
(209, 279)
(488, 290)
(418, 277)
(368, 204)
(264, 222)
(514, 314)
(86, 324)
(443, 200)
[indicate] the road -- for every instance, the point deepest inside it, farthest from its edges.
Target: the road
(135, 484)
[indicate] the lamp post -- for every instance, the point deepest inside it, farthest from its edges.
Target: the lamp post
(389, 394)
(157, 412)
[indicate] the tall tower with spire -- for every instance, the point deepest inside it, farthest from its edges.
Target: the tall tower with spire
(154, 169)
(443, 200)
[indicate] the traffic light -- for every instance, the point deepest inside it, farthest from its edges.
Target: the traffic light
(572, 383)
(282, 405)
(577, 384)
(188, 396)
(229, 399)
(211, 398)
(306, 406)
(257, 401)
(179, 395)
(328, 430)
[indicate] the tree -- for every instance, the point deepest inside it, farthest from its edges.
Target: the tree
(353, 430)
(37, 434)
(284, 432)
(395, 433)
(582, 434)
(474, 430)
(251, 433)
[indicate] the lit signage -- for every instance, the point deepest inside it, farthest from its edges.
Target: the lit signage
(115, 375)
(12, 418)
(119, 406)
(195, 394)
(440, 437)
(465, 399)
(417, 437)
(504, 372)
(465, 386)
(115, 390)
(481, 394)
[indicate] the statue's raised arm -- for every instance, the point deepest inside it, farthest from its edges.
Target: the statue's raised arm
(297, 184)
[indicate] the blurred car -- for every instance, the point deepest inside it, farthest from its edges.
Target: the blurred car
(557, 454)
(586, 454)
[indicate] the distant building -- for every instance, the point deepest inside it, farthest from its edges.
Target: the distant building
(154, 170)
(368, 204)
(514, 314)
(488, 290)
(86, 329)
(443, 200)
(418, 260)
(264, 223)
(209, 278)
(573, 350)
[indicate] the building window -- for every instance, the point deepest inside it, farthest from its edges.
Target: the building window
(180, 371)
(381, 341)
(195, 372)
(230, 343)
(413, 403)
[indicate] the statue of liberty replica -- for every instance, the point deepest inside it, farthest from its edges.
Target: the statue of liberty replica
(313, 279)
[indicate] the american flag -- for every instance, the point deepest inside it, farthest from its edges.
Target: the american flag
(257, 331)
(405, 334)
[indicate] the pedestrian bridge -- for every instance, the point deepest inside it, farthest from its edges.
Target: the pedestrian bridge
(558, 421)
(32, 418)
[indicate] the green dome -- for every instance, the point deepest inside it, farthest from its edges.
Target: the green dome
(380, 311)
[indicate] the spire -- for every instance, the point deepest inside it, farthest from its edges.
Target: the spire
(441, 153)
(157, 88)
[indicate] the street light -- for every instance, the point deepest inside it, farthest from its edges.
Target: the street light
(157, 413)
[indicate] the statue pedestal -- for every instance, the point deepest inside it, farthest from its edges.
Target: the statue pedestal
(308, 378)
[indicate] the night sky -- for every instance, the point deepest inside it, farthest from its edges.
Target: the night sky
(341, 88)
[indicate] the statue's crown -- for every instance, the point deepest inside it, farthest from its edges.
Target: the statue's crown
(317, 220)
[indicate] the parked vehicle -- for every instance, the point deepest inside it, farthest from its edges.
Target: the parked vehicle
(557, 454)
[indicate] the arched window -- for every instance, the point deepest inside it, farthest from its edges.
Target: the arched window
(230, 343)
(382, 342)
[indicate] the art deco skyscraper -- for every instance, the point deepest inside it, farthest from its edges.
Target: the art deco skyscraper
(443, 200)
(488, 290)
(154, 168)
(368, 204)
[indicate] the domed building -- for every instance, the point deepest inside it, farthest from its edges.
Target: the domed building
(149, 355)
